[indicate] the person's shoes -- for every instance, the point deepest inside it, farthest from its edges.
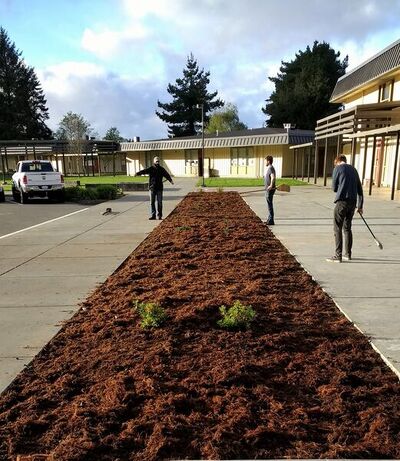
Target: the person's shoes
(160, 217)
(347, 257)
(152, 217)
(334, 259)
(270, 223)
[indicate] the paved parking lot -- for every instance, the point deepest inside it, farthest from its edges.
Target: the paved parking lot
(14, 216)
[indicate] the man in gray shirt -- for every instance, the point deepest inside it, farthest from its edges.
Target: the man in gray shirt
(270, 188)
(347, 185)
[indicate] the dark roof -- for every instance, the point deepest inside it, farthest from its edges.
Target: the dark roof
(237, 133)
(380, 64)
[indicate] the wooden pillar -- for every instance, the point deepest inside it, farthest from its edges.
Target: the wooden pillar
(339, 145)
(26, 152)
(113, 159)
(34, 152)
(309, 163)
(3, 167)
(396, 158)
(63, 161)
(371, 179)
(296, 168)
(325, 159)
(303, 154)
(293, 164)
(353, 151)
(365, 159)
(316, 162)
(6, 158)
(92, 163)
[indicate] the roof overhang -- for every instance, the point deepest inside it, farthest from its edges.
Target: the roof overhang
(216, 142)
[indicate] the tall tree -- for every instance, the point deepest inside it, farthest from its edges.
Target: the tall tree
(74, 129)
(303, 87)
(113, 134)
(225, 119)
(183, 114)
(23, 111)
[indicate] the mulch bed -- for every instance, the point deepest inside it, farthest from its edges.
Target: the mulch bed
(302, 382)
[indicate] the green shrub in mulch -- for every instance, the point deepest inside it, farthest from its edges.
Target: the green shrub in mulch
(236, 317)
(152, 314)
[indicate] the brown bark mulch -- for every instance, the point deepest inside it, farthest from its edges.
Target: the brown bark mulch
(302, 382)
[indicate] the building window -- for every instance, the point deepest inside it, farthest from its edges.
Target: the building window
(386, 91)
(241, 159)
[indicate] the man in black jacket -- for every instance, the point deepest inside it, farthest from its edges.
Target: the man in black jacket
(156, 174)
(349, 197)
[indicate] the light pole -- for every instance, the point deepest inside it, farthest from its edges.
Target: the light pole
(201, 106)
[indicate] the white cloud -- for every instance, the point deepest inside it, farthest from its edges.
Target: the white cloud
(241, 43)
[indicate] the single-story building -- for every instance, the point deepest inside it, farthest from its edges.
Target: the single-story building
(230, 154)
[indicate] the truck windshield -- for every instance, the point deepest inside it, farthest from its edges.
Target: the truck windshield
(36, 166)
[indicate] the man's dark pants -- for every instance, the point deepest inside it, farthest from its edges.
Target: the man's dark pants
(269, 195)
(156, 195)
(342, 218)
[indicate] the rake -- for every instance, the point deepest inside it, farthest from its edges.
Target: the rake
(379, 244)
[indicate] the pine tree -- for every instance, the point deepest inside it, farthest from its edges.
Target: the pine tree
(183, 115)
(23, 110)
(304, 86)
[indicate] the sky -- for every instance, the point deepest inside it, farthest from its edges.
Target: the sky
(112, 60)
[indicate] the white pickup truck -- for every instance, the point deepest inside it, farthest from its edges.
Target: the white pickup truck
(37, 178)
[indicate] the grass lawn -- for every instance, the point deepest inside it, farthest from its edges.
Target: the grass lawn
(247, 182)
(105, 179)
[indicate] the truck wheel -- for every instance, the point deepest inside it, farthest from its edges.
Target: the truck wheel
(2, 196)
(23, 197)
(61, 196)
(15, 194)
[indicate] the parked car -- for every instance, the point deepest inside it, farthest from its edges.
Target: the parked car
(37, 178)
(2, 194)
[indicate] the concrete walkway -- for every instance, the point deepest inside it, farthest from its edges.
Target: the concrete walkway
(367, 288)
(45, 272)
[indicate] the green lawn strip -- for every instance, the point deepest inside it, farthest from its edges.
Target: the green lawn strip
(247, 182)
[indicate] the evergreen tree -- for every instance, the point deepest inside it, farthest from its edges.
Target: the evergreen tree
(183, 115)
(23, 110)
(225, 119)
(113, 134)
(304, 86)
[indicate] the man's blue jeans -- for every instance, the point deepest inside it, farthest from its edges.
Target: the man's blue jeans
(156, 194)
(269, 195)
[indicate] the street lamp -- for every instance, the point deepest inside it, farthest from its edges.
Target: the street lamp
(201, 106)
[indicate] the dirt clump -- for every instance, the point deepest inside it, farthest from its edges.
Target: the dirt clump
(302, 382)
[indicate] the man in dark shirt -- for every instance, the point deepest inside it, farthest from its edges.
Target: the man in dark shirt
(347, 185)
(156, 174)
(270, 188)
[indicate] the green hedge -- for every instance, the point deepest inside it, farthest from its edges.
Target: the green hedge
(101, 192)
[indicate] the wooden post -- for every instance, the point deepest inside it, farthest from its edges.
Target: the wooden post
(113, 159)
(294, 157)
(34, 151)
(309, 163)
(26, 152)
(371, 179)
(3, 167)
(57, 167)
(353, 153)
(296, 168)
(365, 159)
(6, 158)
(63, 161)
(396, 157)
(339, 145)
(325, 159)
(303, 154)
(316, 162)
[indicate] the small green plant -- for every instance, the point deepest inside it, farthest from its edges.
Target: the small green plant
(237, 316)
(152, 314)
(220, 190)
(183, 228)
